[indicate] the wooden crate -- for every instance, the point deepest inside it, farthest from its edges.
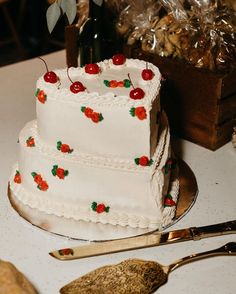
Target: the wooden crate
(201, 105)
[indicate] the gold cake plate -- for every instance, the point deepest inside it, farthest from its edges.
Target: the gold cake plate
(82, 230)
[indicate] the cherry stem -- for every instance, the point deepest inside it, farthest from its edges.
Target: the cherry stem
(68, 75)
(130, 81)
(44, 63)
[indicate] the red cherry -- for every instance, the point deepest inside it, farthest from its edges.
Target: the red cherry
(118, 59)
(147, 74)
(77, 87)
(50, 77)
(92, 68)
(136, 94)
(169, 202)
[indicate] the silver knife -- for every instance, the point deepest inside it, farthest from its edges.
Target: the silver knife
(143, 241)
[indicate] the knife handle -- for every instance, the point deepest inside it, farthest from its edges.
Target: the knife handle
(214, 230)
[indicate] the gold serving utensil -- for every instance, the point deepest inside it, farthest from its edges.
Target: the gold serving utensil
(135, 275)
(147, 240)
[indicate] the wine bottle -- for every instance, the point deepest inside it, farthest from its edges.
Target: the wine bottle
(90, 36)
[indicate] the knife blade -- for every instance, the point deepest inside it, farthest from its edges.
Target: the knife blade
(143, 241)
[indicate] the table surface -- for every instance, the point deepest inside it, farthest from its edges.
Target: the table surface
(27, 246)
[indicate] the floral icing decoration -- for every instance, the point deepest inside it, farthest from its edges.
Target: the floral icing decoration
(66, 251)
(40, 94)
(169, 202)
(114, 84)
(170, 164)
(64, 148)
(139, 112)
(99, 208)
(143, 161)
(41, 184)
(17, 177)
(91, 114)
(59, 172)
(30, 142)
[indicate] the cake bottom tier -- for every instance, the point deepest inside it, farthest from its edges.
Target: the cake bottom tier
(107, 191)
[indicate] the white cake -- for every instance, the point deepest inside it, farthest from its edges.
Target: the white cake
(99, 155)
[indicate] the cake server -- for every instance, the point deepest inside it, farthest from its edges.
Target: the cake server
(143, 241)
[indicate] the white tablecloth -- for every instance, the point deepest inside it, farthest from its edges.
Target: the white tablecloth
(27, 246)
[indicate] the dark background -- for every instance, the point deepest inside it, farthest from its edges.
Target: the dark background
(29, 20)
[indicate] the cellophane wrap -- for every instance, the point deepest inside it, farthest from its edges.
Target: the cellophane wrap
(201, 32)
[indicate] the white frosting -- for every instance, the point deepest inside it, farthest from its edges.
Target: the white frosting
(61, 118)
(102, 166)
(73, 196)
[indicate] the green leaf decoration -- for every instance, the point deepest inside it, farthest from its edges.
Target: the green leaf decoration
(169, 196)
(150, 162)
(136, 160)
(94, 206)
(37, 91)
(33, 174)
(69, 8)
(52, 15)
(66, 173)
(100, 117)
(59, 145)
(38, 186)
(106, 83)
(132, 111)
(127, 83)
(107, 209)
(54, 170)
(83, 108)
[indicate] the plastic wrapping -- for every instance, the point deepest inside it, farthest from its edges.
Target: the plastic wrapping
(201, 32)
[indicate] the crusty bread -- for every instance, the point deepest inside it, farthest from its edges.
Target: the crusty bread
(12, 281)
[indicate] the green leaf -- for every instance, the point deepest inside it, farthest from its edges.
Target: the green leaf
(132, 111)
(94, 206)
(107, 209)
(136, 160)
(66, 173)
(83, 108)
(106, 82)
(54, 170)
(150, 162)
(33, 174)
(100, 117)
(59, 145)
(37, 91)
(70, 9)
(52, 15)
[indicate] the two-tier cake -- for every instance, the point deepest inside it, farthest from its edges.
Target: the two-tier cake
(99, 150)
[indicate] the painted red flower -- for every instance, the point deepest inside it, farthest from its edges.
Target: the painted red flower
(140, 112)
(41, 96)
(88, 112)
(113, 84)
(43, 186)
(143, 161)
(169, 201)
(65, 148)
(95, 117)
(17, 177)
(60, 173)
(38, 179)
(66, 251)
(30, 142)
(100, 208)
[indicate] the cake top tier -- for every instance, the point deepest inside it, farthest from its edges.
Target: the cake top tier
(117, 81)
